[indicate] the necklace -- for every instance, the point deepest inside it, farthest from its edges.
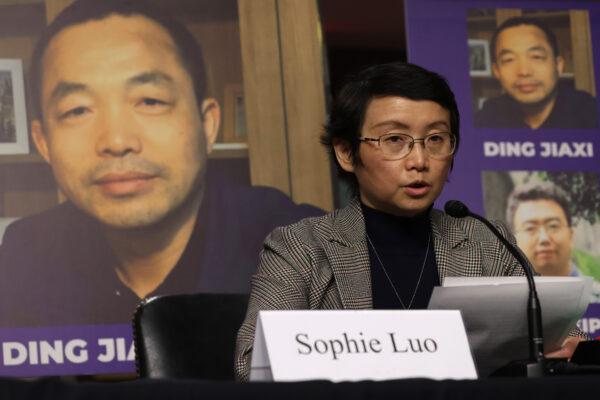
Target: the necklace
(412, 299)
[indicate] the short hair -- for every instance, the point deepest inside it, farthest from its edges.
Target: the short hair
(82, 11)
(533, 192)
(396, 79)
(517, 21)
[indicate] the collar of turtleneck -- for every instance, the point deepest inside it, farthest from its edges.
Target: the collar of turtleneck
(398, 246)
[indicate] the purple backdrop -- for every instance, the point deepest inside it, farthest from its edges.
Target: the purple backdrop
(437, 39)
(91, 349)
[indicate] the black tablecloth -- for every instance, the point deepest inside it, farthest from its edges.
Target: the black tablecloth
(571, 387)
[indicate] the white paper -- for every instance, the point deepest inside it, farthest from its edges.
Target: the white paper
(494, 310)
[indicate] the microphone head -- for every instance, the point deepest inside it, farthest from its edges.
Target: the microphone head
(456, 209)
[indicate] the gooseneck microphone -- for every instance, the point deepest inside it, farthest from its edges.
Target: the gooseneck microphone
(535, 367)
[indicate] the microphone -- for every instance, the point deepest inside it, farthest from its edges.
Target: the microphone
(456, 209)
(535, 367)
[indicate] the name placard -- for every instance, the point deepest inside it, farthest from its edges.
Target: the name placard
(357, 345)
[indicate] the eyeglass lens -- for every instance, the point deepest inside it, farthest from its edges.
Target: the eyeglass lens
(400, 145)
(534, 230)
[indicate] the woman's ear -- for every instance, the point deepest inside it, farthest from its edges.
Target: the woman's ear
(343, 154)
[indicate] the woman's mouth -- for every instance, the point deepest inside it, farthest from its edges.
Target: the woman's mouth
(417, 189)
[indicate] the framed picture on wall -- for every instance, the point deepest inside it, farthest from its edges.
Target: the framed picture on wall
(479, 58)
(234, 116)
(13, 117)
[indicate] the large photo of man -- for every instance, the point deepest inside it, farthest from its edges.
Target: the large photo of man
(555, 218)
(532, 83)
(123, 118)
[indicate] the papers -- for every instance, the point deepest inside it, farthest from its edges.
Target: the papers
(494, 310)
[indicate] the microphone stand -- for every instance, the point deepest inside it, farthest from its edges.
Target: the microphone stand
(535, 365)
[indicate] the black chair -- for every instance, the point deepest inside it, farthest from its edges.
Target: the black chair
(188, 336)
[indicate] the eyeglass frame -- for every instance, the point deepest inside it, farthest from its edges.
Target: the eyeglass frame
(546, 226)
(364, 139)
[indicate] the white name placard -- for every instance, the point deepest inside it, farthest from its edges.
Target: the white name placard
(357, 345)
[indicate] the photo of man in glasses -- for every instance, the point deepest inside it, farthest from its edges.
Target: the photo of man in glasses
(542, 224)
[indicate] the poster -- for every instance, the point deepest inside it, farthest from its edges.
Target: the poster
(138, 181)
(524, 74)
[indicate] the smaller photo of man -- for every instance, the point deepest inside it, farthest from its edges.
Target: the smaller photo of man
(540, 71)
(555, 217)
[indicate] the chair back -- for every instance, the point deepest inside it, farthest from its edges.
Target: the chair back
(188, 336)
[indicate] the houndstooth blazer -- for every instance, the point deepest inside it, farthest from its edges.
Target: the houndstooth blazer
(323, 263)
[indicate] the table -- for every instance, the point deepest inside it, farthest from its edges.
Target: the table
(564, 387)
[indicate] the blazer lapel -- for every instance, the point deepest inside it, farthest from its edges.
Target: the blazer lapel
(455, 254)
(348, 255)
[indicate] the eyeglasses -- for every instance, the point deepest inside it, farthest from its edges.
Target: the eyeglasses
(533, 230)
(399, 145)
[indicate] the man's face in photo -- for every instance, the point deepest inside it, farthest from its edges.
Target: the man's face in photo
(526, 65)
(122, 129)
(544, 235)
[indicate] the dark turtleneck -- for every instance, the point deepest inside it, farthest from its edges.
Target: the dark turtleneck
(401, 243)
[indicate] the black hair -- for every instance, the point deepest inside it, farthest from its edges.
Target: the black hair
(396, 79)
(81, 11)
(533, 192)
(517, 21)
